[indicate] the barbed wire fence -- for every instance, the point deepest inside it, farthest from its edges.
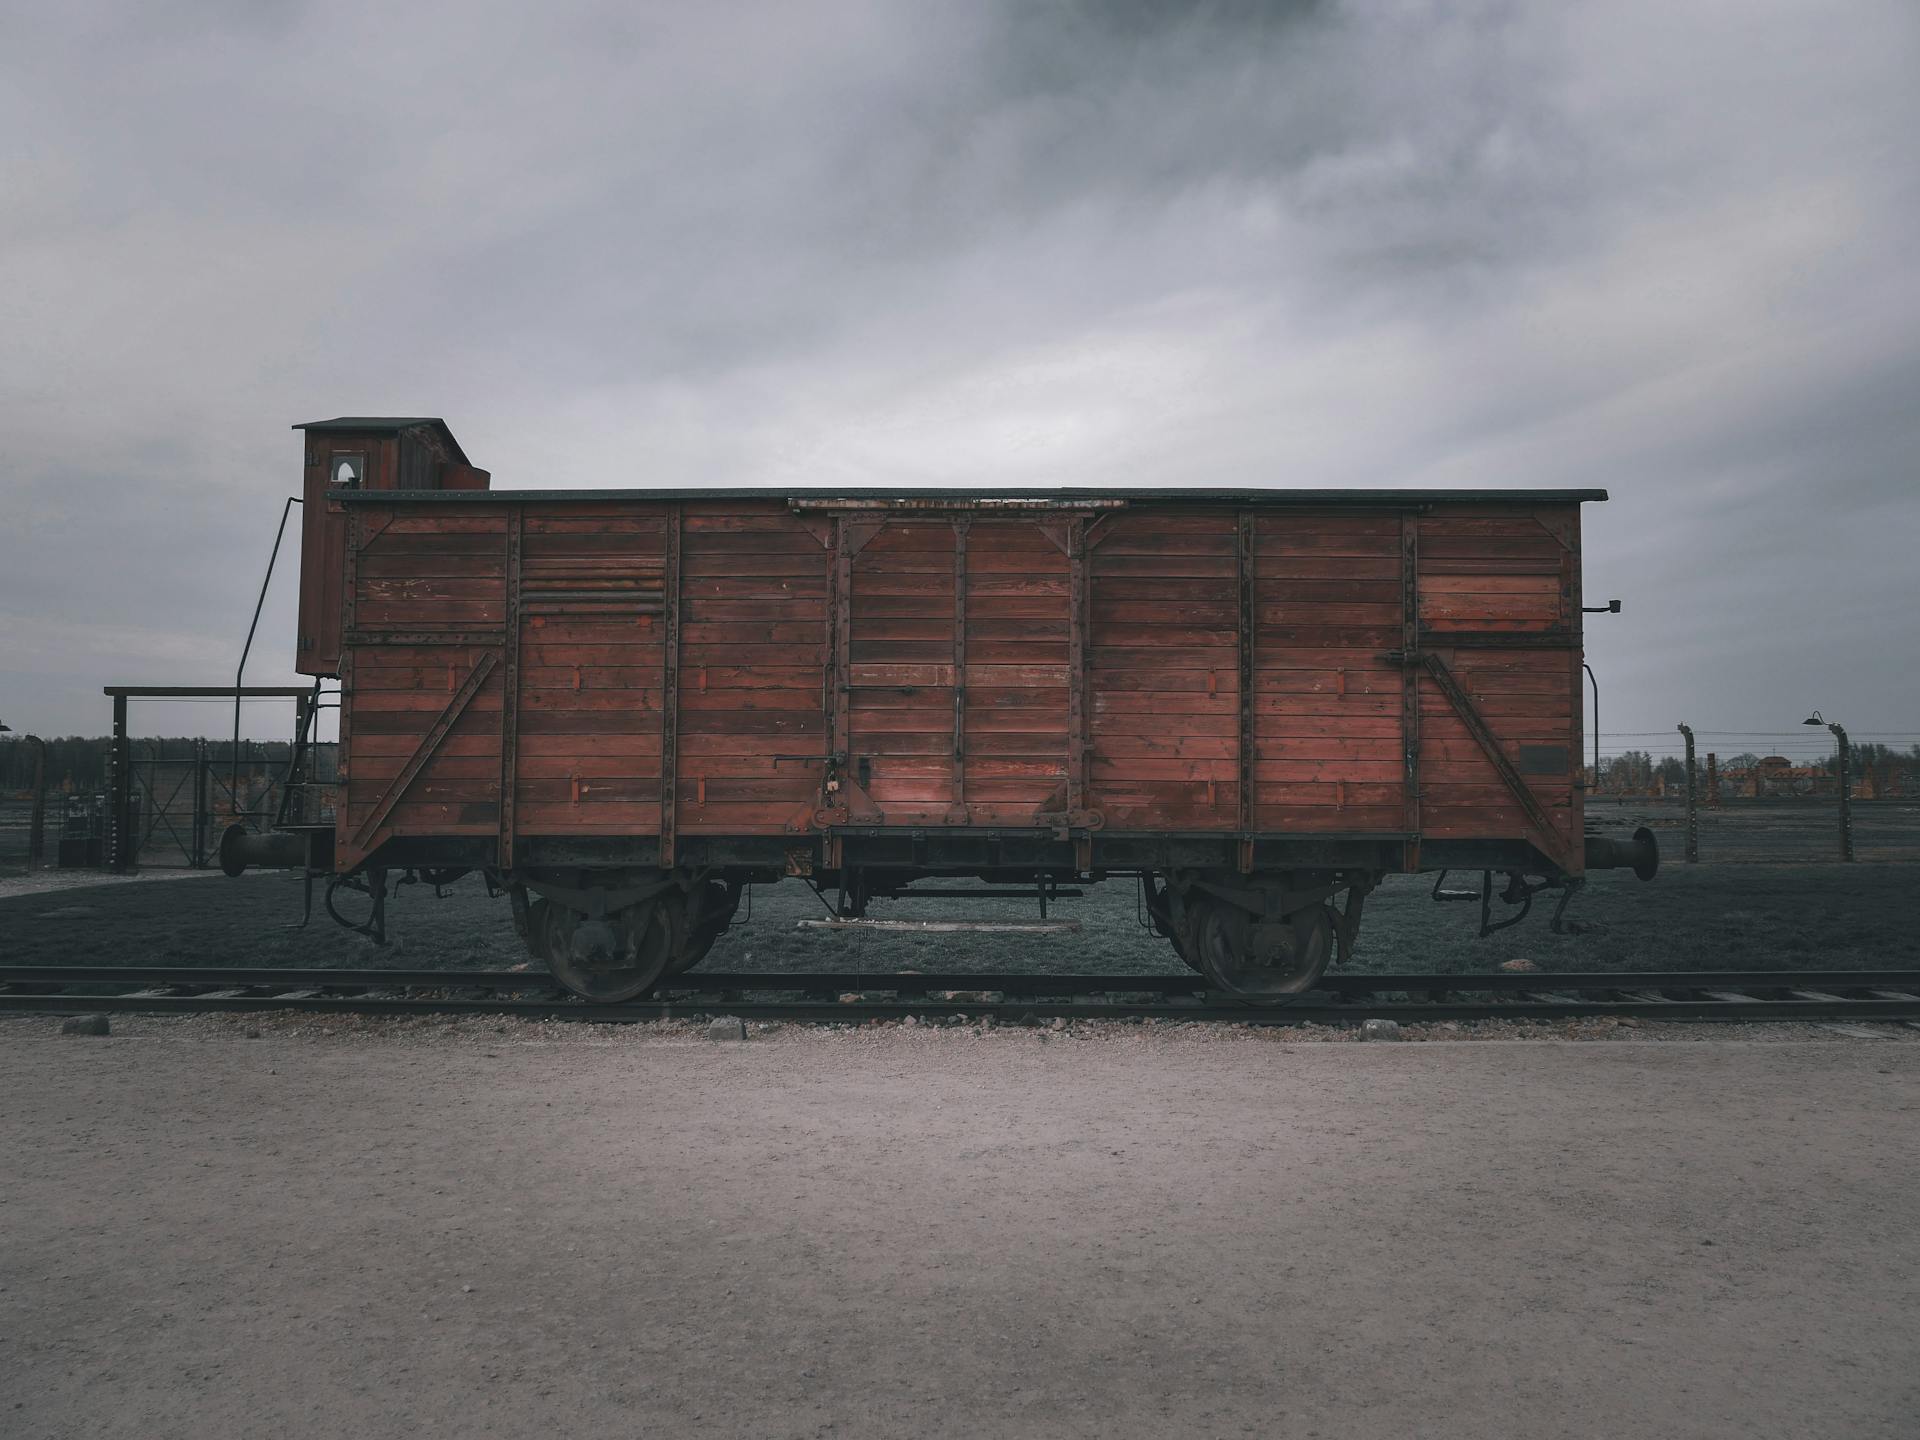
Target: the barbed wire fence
(182, 797)
(1783, 796)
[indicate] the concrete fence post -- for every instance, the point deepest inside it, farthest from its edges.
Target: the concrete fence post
(37, 824)
(1846, 793)
(120, 792)
(1693, 811)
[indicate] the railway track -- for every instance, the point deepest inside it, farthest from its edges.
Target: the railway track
(854, 997)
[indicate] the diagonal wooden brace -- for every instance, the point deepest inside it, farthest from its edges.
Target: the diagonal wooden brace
(424, 751)
(1549, 837)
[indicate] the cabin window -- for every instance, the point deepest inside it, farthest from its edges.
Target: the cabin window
(349, 471)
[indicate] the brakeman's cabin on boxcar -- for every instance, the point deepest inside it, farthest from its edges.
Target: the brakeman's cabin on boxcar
(626, 705)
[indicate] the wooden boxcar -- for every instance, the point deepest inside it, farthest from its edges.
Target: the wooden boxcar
(626, 705)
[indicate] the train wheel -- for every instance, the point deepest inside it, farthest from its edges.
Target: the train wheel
(1267, 964)
(709, 911)
(1183, 944)
(619, 957)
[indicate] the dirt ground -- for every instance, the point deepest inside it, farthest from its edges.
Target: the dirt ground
(1706, 916)
(618, 1231)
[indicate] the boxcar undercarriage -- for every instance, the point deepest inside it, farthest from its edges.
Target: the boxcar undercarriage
(612, 933)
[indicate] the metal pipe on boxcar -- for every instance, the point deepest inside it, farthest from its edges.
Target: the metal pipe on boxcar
(1612, 607)
(239, 674)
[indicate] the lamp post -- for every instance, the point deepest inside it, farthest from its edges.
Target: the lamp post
(1846, 782)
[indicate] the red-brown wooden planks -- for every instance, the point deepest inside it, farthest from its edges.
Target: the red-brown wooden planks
(752, 694)
(1164, 672)
(958, 663)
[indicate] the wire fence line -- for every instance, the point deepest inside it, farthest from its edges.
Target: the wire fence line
(1766, 795)
(1756, 764)
(184, 793)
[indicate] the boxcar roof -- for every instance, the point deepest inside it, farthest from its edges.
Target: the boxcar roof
(930, 499)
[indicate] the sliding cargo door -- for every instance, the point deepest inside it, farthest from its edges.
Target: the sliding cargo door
(954, 647)
(1239, 672)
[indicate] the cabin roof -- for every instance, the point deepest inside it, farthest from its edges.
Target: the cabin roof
(385, 425)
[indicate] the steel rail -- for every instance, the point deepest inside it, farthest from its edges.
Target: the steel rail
(1670, 995)
(1023, 983)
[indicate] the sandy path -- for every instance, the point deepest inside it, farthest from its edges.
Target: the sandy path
(933, 1233)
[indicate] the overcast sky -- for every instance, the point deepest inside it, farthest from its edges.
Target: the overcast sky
(1663, 248)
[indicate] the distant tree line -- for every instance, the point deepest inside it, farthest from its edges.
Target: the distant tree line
(1870, 753)
(1637, 769)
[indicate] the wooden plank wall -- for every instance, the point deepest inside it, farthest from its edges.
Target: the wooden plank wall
(955, 644)
(415, 576)
(1163, 671)
(591, 659)
(1329, 750)
(1497, 572)
(323, 545)
(753, 585)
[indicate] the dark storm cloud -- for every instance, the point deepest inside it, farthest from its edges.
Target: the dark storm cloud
(1657, 248)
